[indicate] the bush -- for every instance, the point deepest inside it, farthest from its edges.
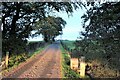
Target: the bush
(101, 69)
(11, 63)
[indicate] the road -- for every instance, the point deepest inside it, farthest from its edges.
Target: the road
(44, 65)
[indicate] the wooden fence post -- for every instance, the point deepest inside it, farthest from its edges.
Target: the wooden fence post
(6, 59)
(82, 67)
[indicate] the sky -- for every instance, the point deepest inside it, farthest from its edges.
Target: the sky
(72, 28)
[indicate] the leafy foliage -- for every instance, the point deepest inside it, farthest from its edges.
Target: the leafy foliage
(102, 37)
(104, 21)
(50, 27)
(19, 18)
(104, 27)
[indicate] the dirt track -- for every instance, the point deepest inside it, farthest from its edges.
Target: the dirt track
(44, 65)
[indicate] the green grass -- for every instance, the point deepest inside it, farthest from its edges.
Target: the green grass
(70, 44)
(66, 71)
(15, 60)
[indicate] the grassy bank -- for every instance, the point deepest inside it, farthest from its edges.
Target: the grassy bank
(66, 71)
(16, 60)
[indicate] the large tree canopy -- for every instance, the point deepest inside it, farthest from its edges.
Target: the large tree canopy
(50, 27)
(19, 18)
(102, 34)
(104, 20)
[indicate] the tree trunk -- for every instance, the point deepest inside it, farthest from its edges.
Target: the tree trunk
(53, 39)
(45, 38)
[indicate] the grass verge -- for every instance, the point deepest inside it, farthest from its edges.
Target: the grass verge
(66, 71)
(16, 60)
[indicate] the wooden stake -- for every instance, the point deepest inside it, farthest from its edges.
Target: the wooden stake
(6, 59)
(82, 67)
(74, 63)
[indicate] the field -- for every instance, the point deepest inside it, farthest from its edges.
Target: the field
(69, 44)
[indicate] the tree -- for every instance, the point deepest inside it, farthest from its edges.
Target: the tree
(104, 20)
(50, 27)
(103, 29)
(19, 18)
(17, 24)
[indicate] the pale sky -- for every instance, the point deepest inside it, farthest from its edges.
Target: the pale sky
(72, 28)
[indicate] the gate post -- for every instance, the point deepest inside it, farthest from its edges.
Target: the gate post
(82, 67)
(6, 59)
